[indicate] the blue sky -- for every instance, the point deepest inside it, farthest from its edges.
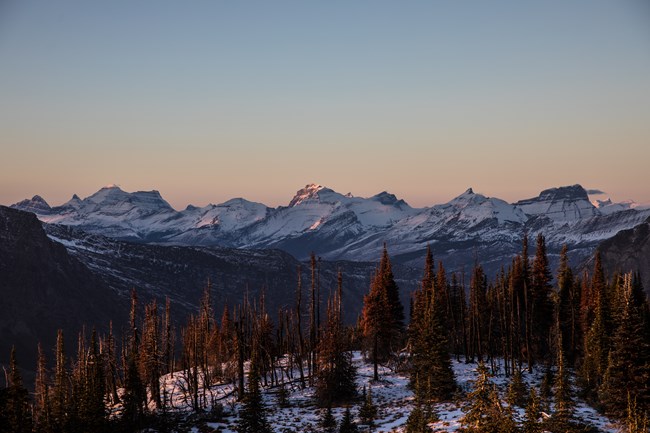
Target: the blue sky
(207, 100)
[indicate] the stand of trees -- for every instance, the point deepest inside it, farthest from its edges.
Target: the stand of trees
(598, 327)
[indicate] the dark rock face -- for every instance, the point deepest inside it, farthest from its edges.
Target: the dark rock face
(629, 251)
(43, 288)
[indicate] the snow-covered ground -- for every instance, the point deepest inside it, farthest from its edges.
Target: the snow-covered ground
(391, 395)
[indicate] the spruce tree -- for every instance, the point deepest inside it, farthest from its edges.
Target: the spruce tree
(596, 345)
(14, 403)
(382, 318)
(432, 377)
(347, 423)
(336, 375)
(418, 420)
(564, 403)
(542, 305)
(252, 415)
(636, 420)
(41, 394)
(327, 421)
(629, 359)
(533, 413)
(484, 411)
(517, 390)
(61, 388)
(368, 410)
(92, 405)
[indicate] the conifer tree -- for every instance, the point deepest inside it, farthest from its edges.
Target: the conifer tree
(252, 415)
(347, 423)
(336, 373)
(95, 390)
(636, 420)
(564, 403)
(596, 346)
(484, 412)
(41, 394)
(533, 413)
(368, 410)
(567, 307)
(382, 316)
(418, 420)
(327, 421)
(517, 390)
(542, 305)
(60, 390)
(432, 377)
(629, 359)
(14, 401)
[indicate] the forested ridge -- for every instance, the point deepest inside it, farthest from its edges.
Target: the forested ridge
(589, 332)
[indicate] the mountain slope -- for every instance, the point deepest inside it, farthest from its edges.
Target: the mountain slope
(44, 289)
(181, 273)
(629, 250)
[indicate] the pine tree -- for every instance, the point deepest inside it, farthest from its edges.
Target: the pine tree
(368, 410)
(327, 421)
(567, 307)
(533, 413)
(382, 316)
(477, 315)
(92, 411)
(432, 377)
(61, 389)
(41, 394)
(517, 390)
(347, 423)
(484, 412)
(336, 374)
(14, 401)
(596, 346)
(418, 420)
(636, 419)
(629, 359)
(542, 305)
(252, 415)
(564, 403)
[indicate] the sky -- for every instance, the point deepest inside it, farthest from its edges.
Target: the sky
(210, 100)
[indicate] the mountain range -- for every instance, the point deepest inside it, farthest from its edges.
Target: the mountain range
(471, 227)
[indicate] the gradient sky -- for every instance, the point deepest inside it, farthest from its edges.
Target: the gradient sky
(209, 100)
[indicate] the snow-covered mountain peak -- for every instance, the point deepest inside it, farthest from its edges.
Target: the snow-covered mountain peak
(572, 192)
(467, 198)
(113, 196)
(477, 207)
(566, 204)
(310, 191)
(36, 204)
(389, 199)
(608, 207)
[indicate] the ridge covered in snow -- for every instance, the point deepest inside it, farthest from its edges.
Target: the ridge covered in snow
(343, 226)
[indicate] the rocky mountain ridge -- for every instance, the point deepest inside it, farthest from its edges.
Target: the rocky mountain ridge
(335, 226)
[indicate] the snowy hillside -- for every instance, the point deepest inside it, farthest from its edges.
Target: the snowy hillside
(391, 395)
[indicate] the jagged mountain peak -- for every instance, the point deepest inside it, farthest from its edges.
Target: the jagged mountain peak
(468, 197)
(36, 204)
(310, 191)
(388, 199)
